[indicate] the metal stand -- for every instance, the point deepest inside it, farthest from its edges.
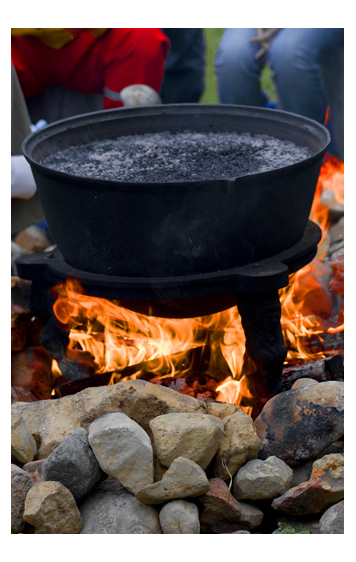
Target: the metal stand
(260, 317)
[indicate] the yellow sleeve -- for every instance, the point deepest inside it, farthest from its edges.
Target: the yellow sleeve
(54, 37)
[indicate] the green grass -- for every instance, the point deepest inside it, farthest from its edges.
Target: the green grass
(210, 95)
(212, 39)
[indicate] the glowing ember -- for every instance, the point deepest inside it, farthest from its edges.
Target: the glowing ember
(118, 338)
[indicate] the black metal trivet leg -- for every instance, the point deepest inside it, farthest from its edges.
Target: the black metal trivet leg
(261, 320)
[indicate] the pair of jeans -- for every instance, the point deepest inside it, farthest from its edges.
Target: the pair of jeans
(307, 68)
(185, 66)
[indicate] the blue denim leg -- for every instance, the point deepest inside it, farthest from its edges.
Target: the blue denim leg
(294, 59)
(185, 66)
(237, 71)
(297, 57)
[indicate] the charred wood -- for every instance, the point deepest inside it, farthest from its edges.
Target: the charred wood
(321, 370)
(31, 371)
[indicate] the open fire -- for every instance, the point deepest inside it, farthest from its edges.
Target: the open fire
(205, 356)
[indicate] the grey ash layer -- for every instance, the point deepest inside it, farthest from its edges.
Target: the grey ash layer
(175, 157)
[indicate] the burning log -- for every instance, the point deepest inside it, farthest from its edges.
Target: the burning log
(31, 370)
(25, 328)
(19, 317)
(321, 370)
(166, 366)
(18, 333)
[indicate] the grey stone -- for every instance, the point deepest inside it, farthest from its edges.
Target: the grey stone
(74, 464)
(239, 444)
(332, 521)
(50, 421)
(123, 450)
(192, 436)
(301, 473)
(222, 513)
(51, 509)
(304, 382)
(183, 479)
(262, 480)
(111, 509)
(324, 488)
(21, 483)
(298, 424)
(23, 445)
(179, 517)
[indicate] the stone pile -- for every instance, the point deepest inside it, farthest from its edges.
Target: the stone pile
(139, 458)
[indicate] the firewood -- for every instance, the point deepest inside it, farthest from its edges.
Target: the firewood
(321, 370)
(31, 369)
(18, 334)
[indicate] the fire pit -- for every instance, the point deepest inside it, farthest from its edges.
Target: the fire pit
(214, 243)
(111, 345)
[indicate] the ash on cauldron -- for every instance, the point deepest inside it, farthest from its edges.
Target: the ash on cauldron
(175, 157)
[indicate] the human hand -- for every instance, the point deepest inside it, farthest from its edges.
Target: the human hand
(264, 37)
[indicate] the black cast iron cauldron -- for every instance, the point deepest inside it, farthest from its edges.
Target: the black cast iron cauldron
(175, 228)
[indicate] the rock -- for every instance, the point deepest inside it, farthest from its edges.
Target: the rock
(296, 425)
(21, 483)
(324, 488)
(50, 421)
(192, 436)
(16, 253)
(74, 464)
(180, 517)
(332, 521)
(336, 283)
(336, 231)
(159, 469)
(262, 480)
(327, 198)
(32, 239)
(222, 513)
(111, 509)
(51, 509)
(239, 444)
(123, 450)
(23, 445)
(34, 469)
(318, 302)
(337, 212)
(301, 473)
(303, 383)
(183, 479)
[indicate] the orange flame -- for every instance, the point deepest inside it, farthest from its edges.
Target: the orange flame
(118, 338)
(307, 303)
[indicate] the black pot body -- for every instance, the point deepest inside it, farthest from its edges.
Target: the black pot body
(175, 228)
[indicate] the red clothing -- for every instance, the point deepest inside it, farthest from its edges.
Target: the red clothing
(88, 64)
